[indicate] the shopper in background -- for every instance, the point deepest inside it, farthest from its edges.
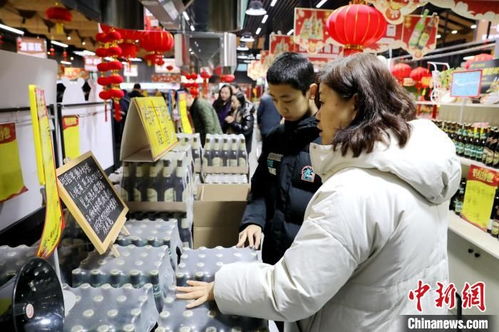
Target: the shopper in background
(223, 104)
(235, 89)
(241, 119)
(284, 180)
(376, 228)
(203, 116)
(136, 92)
(267, 116)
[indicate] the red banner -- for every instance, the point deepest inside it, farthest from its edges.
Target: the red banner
(310, 29)
(475, 9)
(281, 43)
(395, 10)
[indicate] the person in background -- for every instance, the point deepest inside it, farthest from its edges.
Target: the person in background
(375, 230)
(203, 116)
(223, 104)
(268, 116)
(235, 89)
(241, 119)
(136, 92)
(284, 161)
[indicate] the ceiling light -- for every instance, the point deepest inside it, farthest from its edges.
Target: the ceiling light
(473, 26)
(264, 19)
(258, 56)
(186, 16)
(66, 62)
(55, 42)
(454, 32)
(468, 57)
(258, 31)
(255, 8)
(247, 37)
(14, 30)
(320, 4)
(71, 58)
(69, 37)
(439, 36)
(290, 32)
(83, 42)
(136, 59)
(84, 53)
(272, 4)
(192, 28)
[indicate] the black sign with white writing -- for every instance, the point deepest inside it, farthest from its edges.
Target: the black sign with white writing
(94, 196)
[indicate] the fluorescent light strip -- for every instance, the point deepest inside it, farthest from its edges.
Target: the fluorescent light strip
(320, 4)
(65, 62)
(186, 16)
(192, 28)
(290, 32)
(473, 26)
(258, 30)
(84, 53)
(136, 59)
(468, 57)
(55, 42)
(14, 30)
(272, 4)
(265, 19)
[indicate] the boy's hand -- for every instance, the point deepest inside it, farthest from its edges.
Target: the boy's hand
(252, 234)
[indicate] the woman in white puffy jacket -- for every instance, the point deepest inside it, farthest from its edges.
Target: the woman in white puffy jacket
(375, 227)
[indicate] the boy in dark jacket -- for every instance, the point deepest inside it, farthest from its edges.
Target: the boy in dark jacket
(284, 181)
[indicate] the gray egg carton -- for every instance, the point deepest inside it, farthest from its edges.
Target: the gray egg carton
(12, 258)
(205, 318)
(106, 309)
(136, 265)
(202, 263)
(156, 233)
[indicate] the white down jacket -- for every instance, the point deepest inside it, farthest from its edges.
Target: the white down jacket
(376, 226)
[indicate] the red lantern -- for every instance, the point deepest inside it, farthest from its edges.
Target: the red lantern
(52, 51)
(103, 80)
(101, 37)
(115, 79)
(114, 36)
(105, 95)
(227, 78)
(205, 75)
(477, 58)
(114, 65)
(150, 59)
(128, 50)
(117, 93)
(59, 15)
(401, 71)
(418, 75)
(157, 41)
(114, 51)
(101, 52)
(194, 76)
(356, 26)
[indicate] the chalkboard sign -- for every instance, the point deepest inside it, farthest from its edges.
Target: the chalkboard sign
(92, 200)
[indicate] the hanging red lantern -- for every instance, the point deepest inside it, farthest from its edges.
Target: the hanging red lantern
(194, 76)
(101, 37)
(65, 55)
(477, 58)
(401, 71)
(101, 52)
(158, 41)
(103, 80)
(356, 26)
(59, 15)
(52, 51)
(115, 65)
(114, 51)
(150, 59)
(420, 75)
(113, 36)
(115, 79)
(128, 50)
(105, 95)
(205, 75)
(227, 78)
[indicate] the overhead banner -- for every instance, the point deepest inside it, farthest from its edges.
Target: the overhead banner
(11, 175)
(71, 135)
(32, 46)
(280, 44)
(310, 29)
(395, 10)
(46, 169)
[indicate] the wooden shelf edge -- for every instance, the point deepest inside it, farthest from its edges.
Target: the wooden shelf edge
(473, 234)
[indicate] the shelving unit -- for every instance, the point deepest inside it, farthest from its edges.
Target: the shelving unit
(468, 162)
(474, 235)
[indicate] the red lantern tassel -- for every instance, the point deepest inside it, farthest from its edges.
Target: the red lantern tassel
(105, 110)
(117, 111)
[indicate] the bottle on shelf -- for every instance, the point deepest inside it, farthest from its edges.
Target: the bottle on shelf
(140, 182)
(155, 182)
(217, 155)
(179, 181)
(425, 35)
(208, 155)
(418, 30)
(493, 213)
(225, 152)
(168, 185)
(233, 153)
(242, 154)
(475, 151)
(491, 148)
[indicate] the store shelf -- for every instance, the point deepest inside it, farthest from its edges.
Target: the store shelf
(468, 162)
(474, 235)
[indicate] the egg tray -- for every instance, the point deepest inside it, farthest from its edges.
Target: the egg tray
(136, 265)
(106, 309)
(12, 258)
(201, 264)
(155, 233)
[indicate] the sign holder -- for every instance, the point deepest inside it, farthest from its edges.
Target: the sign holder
(465, 84)
(91, 177)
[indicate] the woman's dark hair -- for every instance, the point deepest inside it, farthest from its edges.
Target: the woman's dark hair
(381, 103)
(242, 99)
(293, 69)
(219, 102)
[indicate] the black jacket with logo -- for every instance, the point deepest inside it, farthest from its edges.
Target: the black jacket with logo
(282, 185)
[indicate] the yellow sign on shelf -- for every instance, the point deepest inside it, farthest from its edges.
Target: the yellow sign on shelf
(479, 196)
(11, 175)
(46, 171)
(184, 118)
(71, 134)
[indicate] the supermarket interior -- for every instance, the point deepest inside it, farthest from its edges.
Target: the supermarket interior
(249, 165)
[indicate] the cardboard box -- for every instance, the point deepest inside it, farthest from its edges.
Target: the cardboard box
(218, 213)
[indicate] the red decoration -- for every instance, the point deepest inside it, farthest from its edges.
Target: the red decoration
(114, 51)
(128, 50)
(103, 80)
(101, 52)
(52, 51)
(418, 74)
(105, 95)
(157, 41)
(401, 71)
(477, 58)
(169, 67)
(227, 78)
(59, 15)
(205, 75)
(101, 37)
(150, 59)
(356, 26)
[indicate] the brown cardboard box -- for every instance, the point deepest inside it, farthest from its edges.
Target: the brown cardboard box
(218, 213)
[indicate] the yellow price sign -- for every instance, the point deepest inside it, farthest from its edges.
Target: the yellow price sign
(184, 117)
(54, 222)
(479, 196)
(157, 123)
(71, 134)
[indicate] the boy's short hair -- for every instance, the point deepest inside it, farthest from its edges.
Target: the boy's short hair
(293, 69)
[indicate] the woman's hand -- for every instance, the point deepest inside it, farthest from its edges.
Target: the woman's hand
(198, 291)
(229, 119)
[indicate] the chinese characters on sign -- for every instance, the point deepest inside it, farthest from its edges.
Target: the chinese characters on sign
(473, 295)
(32, 46)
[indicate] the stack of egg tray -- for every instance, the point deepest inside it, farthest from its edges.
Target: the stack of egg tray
(136, 265)
(155, 233)
(184, 222)
(106, 309)
(12, 258)
(201, 264)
